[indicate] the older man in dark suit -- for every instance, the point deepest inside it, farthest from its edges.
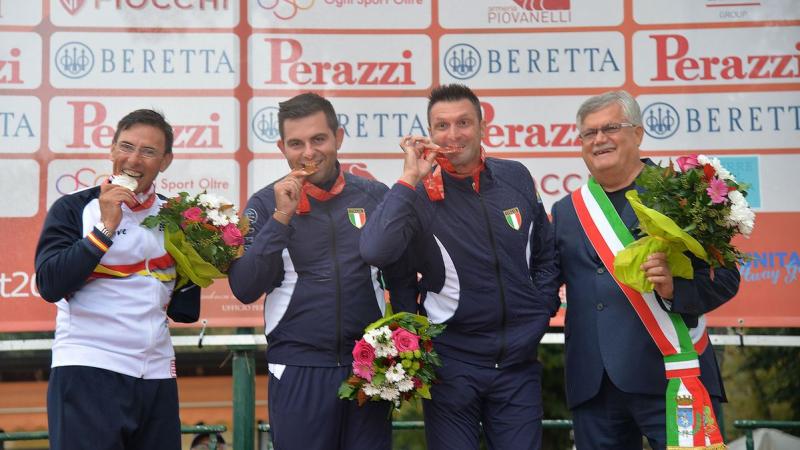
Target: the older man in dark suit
(617, 359)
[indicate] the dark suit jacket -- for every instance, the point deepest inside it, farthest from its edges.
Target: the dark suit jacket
(603, 332)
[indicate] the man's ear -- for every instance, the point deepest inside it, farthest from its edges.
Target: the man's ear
(339, 137)
(282, 147)
(166, 161)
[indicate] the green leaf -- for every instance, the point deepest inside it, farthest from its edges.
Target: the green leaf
(346, 391)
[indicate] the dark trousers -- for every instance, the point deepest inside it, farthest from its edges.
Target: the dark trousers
(99, 409)
(508, 402)
(616, 420)
(305, 413)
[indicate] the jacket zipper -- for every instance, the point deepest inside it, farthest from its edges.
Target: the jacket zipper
(497, 273)
(338, 291)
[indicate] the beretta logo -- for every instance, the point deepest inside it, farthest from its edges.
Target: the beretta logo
(74, 60)
(265, 124)
(660, 120)
(462, 61)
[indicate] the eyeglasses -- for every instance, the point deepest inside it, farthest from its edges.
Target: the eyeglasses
(590, 134)
(144, 152)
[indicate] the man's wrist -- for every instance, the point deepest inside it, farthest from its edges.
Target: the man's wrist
(101, 227)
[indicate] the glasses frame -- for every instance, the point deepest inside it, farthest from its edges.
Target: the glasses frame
(609, 128)
(144, 152)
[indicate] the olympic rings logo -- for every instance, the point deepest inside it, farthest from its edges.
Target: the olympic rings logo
(293, 5)
(83, 178)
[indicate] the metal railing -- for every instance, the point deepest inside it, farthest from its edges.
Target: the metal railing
(212, 431)
(750, 425)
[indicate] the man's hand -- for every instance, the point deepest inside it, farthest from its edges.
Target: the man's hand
(657, 272)
(111, 199)
(287, 196)
(417, 164)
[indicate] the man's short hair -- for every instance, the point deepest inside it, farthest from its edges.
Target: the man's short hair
(630, 108)
(453, 93)
(304, 105)
(147, 117)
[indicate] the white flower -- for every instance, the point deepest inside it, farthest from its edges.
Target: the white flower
(722, 173)
(703, 159)
(389, 393)
(219, 220)
(211, 201)
(383, 350)
(395, 373)
(378, 336)
(405, 385)
(741, 216)
(230, 212)
(370, 390)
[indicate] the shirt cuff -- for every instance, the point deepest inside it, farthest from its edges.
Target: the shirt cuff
(403, 183)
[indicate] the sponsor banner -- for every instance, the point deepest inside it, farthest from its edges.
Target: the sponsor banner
(20, 12)
(531, 124)
(340, 14)
(533, 60)
(20, 60)
(727, 56)
(724, 11)
(370, 125)
(87, 124)
(770, 287)
(145, 13)
(218, 176)
(144, 60)
(339, 62)
(734, 120)
(556, 178)
(20, 182)
(20, 124)
(530, 13)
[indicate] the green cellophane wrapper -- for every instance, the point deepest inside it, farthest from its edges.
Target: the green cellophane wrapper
(188, 263)
(663, 235)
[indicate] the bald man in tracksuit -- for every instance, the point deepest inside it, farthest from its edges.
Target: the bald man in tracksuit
(478, 234)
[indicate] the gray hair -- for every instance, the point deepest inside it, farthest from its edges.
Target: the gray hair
(630, 108)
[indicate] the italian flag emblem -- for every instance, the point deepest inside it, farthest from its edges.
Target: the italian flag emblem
(357, 216)
(513, 217)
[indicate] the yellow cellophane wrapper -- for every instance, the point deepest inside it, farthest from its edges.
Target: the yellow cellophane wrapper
(663, 235)
(188, 263)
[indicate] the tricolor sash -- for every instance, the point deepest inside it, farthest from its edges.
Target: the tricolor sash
(691, 423)
(161, 268)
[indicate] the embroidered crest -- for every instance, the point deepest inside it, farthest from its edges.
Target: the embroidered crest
(357, 216)
(513, 217)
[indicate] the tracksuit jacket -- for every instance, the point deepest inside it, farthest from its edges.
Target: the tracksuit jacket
(320, 293)
(109, 322)
(486, 259)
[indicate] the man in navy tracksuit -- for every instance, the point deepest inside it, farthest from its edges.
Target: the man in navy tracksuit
(113, 379)
(302, 251)
(481, 240)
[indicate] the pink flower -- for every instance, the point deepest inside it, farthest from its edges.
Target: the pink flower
(231, 235)
(688, 162)
(362, 370)
(193, 214)
(717, 190)
(404, 340)
(363, 354)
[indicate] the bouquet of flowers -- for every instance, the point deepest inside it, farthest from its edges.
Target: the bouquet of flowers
(699, 208)
(394, 361)
(203, 233)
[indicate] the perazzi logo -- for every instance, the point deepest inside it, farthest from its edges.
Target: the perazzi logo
(286, 67)
(75, 6)
(90, 129)
(10, 69)
(673, 63)
(527, 136)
